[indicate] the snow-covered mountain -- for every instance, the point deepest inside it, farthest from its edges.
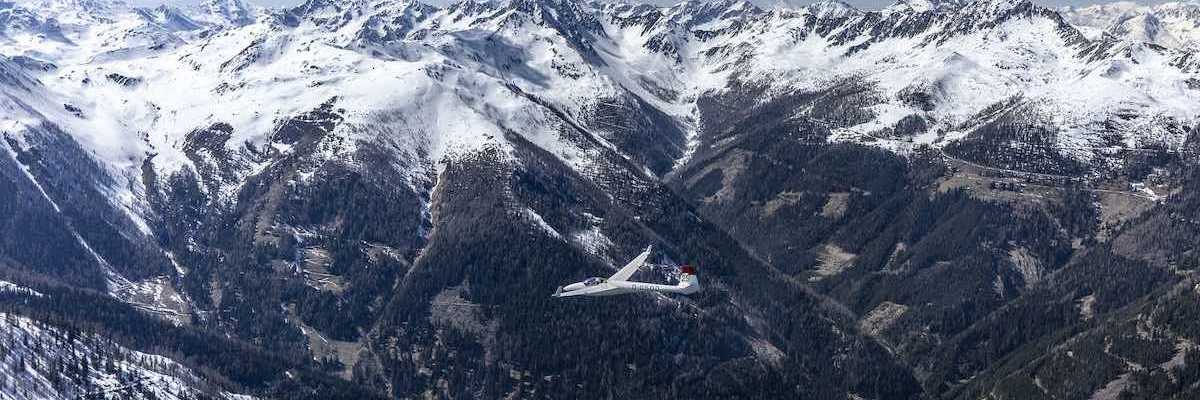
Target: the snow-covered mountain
(1175, 24)
(327, 177)
(371, 56)
(41, 361)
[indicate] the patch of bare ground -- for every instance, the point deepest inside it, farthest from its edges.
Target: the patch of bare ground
(323, 348)
(782, 199)
(831, 260)
(449, 308)
(315, 267)
(1112, 390)
(881, 318)
(767, 352)
(1027, 265)
(997, 189)
(892, 266)
(1087, 307)
(835, 207)
(1147, 240)
(158, 297)
(1116, 209)
(731, 166)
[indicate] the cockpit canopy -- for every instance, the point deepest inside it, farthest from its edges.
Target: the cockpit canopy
(593, 281)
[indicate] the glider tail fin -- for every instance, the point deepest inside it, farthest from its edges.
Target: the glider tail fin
(688, 281)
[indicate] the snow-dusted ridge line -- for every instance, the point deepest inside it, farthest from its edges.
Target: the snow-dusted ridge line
(132, 86)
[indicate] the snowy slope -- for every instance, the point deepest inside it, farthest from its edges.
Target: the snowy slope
(38, 361)
(571, 54)
(965, 57)
(138, 88)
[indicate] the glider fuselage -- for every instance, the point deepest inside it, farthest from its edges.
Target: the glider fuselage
(619, 282)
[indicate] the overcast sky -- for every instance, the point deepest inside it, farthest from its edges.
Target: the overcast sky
(866, 4)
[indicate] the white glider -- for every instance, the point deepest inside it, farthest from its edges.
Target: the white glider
(619, 282)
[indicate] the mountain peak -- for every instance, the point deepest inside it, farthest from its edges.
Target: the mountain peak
(722, 5)
(1145, 27)
(168, 17)
(995, 6)
(1168, 24)
(924, 5)
(228, 12)
(831, 9)
(695, 12)
(565, 15)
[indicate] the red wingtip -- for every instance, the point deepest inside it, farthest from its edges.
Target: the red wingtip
(687, 269)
